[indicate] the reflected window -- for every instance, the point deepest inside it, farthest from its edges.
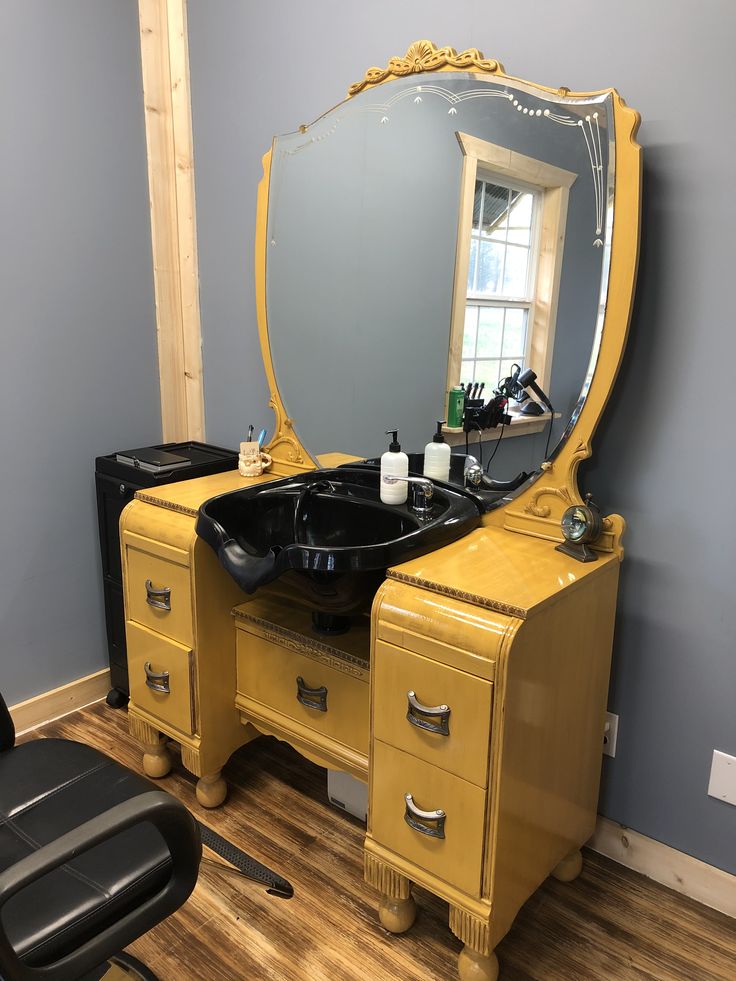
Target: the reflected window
(511, 237)
(501, 281)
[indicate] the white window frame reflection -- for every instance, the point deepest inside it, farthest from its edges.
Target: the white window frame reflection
(475, 367)
(550, 186)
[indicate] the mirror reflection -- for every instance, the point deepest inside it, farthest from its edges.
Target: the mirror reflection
(435, 231)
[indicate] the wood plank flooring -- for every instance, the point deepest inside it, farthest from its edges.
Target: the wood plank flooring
(609, 925)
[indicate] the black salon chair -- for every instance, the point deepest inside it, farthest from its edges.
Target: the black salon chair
(91, 857)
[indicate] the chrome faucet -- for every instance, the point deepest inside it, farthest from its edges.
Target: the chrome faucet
(472, 472)
(422, 492)
(304, 494)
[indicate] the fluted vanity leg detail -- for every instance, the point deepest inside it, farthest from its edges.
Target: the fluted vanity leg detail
(570, 867)
(477, 961)
(211, 789)
(396, 909)
(472, 966)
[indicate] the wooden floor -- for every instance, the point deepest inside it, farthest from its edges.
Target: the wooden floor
(609, 925)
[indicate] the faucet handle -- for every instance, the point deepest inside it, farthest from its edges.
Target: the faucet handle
(473, 474)
(422, 491)
(421, 496)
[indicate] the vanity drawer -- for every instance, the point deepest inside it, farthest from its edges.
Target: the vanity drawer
(159, 593)
(160, 673)
(456, 858)
(302, 690)
(458, 741)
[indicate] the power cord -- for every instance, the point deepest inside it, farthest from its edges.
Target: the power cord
(510, 387)
(495, 449)
(549, 434)
(480, 442)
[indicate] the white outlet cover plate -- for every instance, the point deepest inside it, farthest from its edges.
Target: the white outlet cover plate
(722, 784)
(610, 734)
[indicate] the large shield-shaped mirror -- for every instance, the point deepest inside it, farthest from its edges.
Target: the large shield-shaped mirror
(438, 229)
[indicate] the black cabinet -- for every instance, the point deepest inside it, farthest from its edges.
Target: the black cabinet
(116, 483)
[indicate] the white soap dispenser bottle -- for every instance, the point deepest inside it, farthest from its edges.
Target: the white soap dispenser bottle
(437, 456)
(394, 463)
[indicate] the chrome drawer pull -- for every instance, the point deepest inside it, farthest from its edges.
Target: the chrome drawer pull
(311, 698)
(160, 598)
(431, 823)
(416, 713)
(156, 681)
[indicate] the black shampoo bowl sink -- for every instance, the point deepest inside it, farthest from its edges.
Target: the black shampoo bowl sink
(327, 533)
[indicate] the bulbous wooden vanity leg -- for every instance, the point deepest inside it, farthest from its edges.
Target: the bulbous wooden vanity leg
(396, 908)
(570, 867)
(156, 759)
(211, 790)
(397, 915)
(472, 966)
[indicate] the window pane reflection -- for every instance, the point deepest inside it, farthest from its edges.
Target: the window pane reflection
(500, 283)
(514, 334)
(490, 330)
(470, 332)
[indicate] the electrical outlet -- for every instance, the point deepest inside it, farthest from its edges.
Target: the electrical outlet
(722, 784)
(610, 734)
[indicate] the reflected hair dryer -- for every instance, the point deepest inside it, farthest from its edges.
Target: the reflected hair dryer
(528, 380)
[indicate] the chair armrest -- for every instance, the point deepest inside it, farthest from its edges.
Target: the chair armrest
(181, 835)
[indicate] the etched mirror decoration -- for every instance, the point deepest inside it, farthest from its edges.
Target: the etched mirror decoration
(444, 225)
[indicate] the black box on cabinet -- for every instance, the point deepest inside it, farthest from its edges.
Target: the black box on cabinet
(116, 483)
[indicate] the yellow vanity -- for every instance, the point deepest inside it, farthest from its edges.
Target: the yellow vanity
(471, 696)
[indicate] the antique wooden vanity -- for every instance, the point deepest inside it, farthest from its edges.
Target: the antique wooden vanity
(471, 695)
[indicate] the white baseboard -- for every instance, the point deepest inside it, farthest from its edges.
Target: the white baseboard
(708, 885)
(61, 701)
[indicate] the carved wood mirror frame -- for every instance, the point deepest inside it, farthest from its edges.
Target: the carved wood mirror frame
(538, 509)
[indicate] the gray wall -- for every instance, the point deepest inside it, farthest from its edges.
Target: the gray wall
(260, 69)
(78, 372)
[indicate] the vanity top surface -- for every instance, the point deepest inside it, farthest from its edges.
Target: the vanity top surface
(186, 496)
(501, 570)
